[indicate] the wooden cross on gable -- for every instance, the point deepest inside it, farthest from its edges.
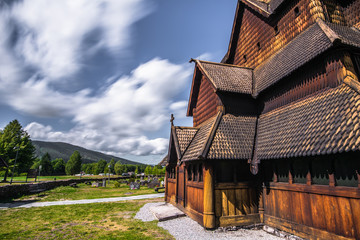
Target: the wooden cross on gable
(172, 119)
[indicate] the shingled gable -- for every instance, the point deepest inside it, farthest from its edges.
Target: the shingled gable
(223, 78)
(180, 138)
(306, 46)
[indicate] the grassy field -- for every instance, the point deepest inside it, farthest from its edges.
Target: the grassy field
(84, 191)
(22, 179)
(86, 221)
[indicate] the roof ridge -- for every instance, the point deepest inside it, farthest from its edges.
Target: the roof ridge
(211, 135)
(331, 34)
(176, 142)
(221, 64)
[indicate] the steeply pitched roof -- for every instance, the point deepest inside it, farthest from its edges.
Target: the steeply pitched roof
(164, 161)
(234, 138)
(326, 123)
(306, 46)
(184, 137)
(199, 142)
(226, 77)
(223, 137)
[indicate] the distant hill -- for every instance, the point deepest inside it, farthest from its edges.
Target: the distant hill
(64, 151)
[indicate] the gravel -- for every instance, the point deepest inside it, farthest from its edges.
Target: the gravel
(184, 228)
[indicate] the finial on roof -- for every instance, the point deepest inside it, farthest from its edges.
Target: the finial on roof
(172, 119)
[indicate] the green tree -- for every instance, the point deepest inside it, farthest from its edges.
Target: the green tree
(148, 170)
(58, 166)
(73, 166)
(46, 167)
(100, 166)
(118, 168)
(16, 141)
(137, 170)
(112, 166)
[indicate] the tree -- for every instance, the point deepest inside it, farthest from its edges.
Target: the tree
(58, 166)
(16, 141)
(118, 168)
(112, 166)
(46, 167)
(148, 170)
(73, 166)
(137, 170)
(101, 166)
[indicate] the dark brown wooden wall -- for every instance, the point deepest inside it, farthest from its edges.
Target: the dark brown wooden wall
(171, 190)
(236, 204)
(317, 210)
(310, 79)
(256, 30)
(207, 102)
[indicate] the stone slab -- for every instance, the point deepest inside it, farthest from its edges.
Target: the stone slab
(166, 212)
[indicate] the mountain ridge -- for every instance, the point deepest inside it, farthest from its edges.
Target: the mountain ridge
(64, 150)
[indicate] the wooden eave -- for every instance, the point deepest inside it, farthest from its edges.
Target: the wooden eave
(211, 136)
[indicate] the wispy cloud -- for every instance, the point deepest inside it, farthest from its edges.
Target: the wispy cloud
(45, 43)
(118, 119)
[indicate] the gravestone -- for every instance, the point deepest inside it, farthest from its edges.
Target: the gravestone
(104, 182)
(153, 184)
(95, 184)
(32, 173)
(134, 185)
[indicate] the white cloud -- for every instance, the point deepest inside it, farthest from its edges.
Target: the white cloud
(52, 33)
(43, 42)
(118, 119)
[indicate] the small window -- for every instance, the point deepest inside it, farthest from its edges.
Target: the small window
(276, 29)
(300, 169)
(258, 46)
(320, 169)
(346, 169)
(282, 170)
(190, 173)
(297, 11)
(245, 58)
(200, 173)
(195, 172)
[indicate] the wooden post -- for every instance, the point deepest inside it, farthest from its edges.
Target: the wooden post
(209, 190)
(261, 203)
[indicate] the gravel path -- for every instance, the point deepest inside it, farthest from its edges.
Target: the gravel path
(27, 204)
(184, 228)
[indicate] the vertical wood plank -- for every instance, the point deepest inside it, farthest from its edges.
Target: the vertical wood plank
(239, 203)
(346, 216)
(317, 210)
(355, 210)
(306, 209)
(231, 202)
(225, 208)
(218, 203)
(246, 201)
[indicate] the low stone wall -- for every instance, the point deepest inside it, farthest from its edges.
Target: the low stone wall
(16, 190)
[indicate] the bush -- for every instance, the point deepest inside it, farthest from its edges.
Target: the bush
(23, 174)
(117, 184)
(132, 179)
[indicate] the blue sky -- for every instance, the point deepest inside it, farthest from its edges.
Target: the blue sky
(106, 74)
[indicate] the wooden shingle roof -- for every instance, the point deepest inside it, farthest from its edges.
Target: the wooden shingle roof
(226, 77)
(326, 123)
(234, 138)
(306, 46)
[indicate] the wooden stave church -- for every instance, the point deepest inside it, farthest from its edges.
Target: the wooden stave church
(276, 134)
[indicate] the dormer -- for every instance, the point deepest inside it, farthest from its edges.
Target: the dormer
(220, 87)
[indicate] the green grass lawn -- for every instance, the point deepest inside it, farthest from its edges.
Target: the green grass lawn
(85, 221)
(22, 179)
(84, 191)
